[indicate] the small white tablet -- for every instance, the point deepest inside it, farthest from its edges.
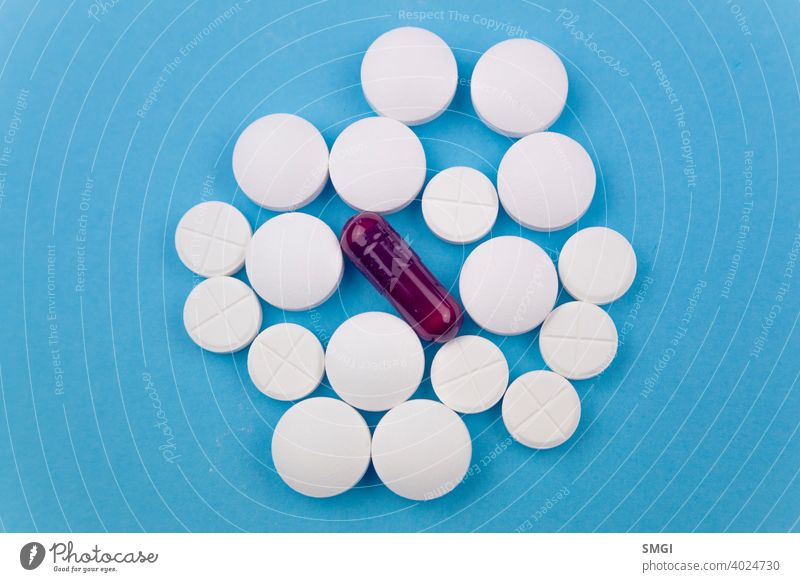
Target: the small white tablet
(469, 374)
(222, 315)
(518, 87)
(459, 205)
(597, 265)
(541, 409)
(294, 261)
(374, 361)
(508, 285)
(377, 164)
(211, 239)
(578, 340)
(546, 181)
(286, 361)
(409, 74)
(321, 447)
(421, 450)
(281, 162)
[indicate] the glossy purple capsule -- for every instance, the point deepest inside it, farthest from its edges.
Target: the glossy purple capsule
(394, 269)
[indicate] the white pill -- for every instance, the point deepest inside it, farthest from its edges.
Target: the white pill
(508, 285)
(377, 164)
(519, 86)
(597, 265)
(321, 447)
(421, 450)
(546, 181)
(286, 361)
(578, 340)
(541, 409)
(211, 239)
(374, 361)
(281, 162)
(409, 74)
(222, 315)
(469, 374)
(460, 205)
(294, 261)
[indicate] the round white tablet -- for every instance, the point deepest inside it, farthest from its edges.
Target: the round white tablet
(374, 361)
(508, 285)
(222, 315)
(409, 74)
(597, 265)
(281, 162)
(546, 181)
(294, 261)
(578, 340)
(321, 447)
(469, 374)
(211, 239)
(286, 361)
(377, 164)
(519, 86)
(541, 409)
(421, 450)
(460, 205)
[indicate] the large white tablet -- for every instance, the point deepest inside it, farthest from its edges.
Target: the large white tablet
(294, 261)
(377, 164)
(597, 265)
(508, 285)
(546, 181)
(518, 87)
(281, 162)
(459, 205)
(374, 361)
(222, 315)
(541, 409)
(578, 340)
(409, 74)
(421, 450)
(469, 374)
(211, 239)
(286, 361)
(321, 447)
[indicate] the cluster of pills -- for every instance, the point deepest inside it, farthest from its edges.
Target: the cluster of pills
(374, 361)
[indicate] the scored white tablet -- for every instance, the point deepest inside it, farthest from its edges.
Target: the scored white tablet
(508, 285)
(281, 162)
(518, 87)
(546, 181)
(222, 315)
(421, 450)
(374, 361)
(321, 447)
(211, 239)
(469, 374)
(409, 74)
(459, 205)
(578, 340)
(597, 265)
(541, 409)
(377, 164)
(294, 261)
(286, 361)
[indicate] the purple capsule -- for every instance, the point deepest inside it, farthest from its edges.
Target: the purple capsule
(395, 270)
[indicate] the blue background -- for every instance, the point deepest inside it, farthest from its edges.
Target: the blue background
(694, 427)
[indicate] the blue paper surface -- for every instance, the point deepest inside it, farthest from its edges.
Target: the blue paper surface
(117, 117)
